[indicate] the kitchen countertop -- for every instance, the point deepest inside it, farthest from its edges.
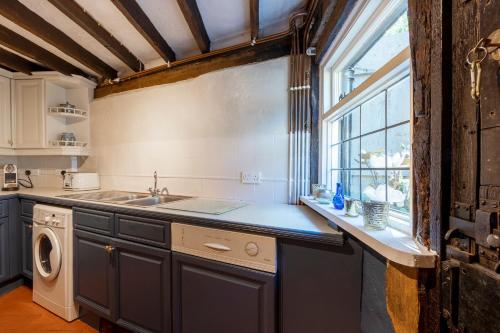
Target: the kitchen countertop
(298, 222)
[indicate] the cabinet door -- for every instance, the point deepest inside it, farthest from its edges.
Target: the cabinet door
(320, 287)
(210, 296)
(27, 247)
(5, 114)
(4, 249)
(143, 287)
(94, 273)
(29, 114)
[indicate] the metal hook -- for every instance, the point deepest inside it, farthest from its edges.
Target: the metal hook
(476, 50)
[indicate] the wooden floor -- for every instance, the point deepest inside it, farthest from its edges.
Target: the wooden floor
(19, 314)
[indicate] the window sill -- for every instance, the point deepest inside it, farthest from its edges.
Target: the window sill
(391, 243)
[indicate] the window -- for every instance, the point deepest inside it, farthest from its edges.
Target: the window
(367, 106)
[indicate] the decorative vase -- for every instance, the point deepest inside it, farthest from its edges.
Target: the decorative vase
(338, 198)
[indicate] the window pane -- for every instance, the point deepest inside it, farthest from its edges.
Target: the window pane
(335, 156)
(350, 124)
(398, 102)
(398, 146)
(335, 178)
(373, 185)
(350, 180)
(373, 114)
(373, 150)
(392, 42)
(350, 154)
(399, 190)
(335, 132)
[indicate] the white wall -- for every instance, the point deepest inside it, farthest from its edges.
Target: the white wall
(198, 134)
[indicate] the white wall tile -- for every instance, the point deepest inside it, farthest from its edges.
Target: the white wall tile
(199, 135)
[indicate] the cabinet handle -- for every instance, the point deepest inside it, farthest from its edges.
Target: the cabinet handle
(30, 226)
(218, 247)
(109, 249)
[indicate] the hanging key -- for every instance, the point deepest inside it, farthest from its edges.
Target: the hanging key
(474, 58)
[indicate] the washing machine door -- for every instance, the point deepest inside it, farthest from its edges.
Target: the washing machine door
(47, 254)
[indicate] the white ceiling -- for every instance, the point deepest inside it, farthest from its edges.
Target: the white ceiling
(227, 23)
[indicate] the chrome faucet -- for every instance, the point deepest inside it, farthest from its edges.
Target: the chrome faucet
(156, 191)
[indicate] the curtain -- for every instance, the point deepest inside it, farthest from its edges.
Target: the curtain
(299, 119)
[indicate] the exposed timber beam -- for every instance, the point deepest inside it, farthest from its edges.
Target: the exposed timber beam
(141, 22)
(18, 43)
(80, 16)
(254, 19)
(17, 63)
(25, 18)
(194, 20)
(333, 21)
(264, 49)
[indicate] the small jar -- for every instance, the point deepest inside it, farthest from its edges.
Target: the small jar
(324, 196)
(375, 214)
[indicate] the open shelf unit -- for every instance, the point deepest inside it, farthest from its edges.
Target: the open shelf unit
(65, 112)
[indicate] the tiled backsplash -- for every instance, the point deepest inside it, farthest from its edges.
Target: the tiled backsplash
(199, 135)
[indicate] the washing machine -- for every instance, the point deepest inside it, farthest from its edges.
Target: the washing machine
(53, 260)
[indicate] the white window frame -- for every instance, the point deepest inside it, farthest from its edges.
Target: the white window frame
(367, 20)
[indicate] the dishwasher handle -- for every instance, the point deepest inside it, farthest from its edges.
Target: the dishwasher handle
(217, 247)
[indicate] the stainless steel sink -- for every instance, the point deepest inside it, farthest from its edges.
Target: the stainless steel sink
(125, 198)
(106, 196)
(158, 200)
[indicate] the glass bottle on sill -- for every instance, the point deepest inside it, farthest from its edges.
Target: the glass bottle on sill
(338, 198)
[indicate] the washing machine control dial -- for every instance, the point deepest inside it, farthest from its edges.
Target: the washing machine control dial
(46, 219)
(252, 249)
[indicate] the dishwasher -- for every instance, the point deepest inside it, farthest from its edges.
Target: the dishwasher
(222, 281)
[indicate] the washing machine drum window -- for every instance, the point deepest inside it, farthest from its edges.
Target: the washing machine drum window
(47, 255)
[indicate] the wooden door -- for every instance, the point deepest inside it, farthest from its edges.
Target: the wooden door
(4, 249)
(210, 296)
(5, 114)
(29, 113)
(27, 247)
(143, 288)
(94, 277)
(471, 267)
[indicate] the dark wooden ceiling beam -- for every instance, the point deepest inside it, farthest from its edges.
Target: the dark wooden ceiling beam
(194, 20)
(25, 18)
(17, 63)
(80, 16)
(254, 19)
(201, 64)
(18, 43)
(136, 16)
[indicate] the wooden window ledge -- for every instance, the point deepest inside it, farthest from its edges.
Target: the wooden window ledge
(391, 243)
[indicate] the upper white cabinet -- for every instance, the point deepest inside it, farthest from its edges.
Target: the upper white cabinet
(46, 109)
(5, 113)
(29, 115)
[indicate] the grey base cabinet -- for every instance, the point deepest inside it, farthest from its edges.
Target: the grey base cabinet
(4, 250)
(210, 296)
(94, 273)
(124, 282)
(27, 247)
(143, 287)
(320, 287)
(10, 240)
(26, 221)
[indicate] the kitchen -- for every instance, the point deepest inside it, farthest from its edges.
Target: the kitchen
(249, 166)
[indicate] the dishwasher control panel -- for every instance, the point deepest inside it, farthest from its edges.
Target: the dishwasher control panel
(237, 248)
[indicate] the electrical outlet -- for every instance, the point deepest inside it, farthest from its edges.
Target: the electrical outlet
(34, 172)
(251, 178)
